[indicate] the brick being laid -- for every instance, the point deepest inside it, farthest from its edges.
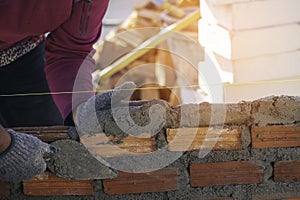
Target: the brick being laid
(47, 184)
(189, 139)
(225, 173)
(131, 183)
(287, 171)
(236, 45)
(245, 14)
(275, 136)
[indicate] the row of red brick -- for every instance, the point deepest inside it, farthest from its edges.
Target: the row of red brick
(224, 173)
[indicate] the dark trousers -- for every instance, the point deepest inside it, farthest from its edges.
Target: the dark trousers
(26, 76)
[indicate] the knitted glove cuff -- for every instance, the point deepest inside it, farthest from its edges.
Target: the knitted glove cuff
(12, 142)
(21, 142)
(23, 158)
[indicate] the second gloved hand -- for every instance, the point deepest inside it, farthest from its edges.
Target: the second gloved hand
(24, 158)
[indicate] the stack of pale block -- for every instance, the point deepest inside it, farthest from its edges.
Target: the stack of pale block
(257, 41)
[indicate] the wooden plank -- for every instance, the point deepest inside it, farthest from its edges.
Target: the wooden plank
(109, 52)
(275, 136)
(4, 189)
(236, 45)
(225, 173)
(262, 13)
(189, 139)
(47, 184)
(152, 15)
(130, 183)
(46, 134)
(130, 146)
(131, 37)
(287, 171)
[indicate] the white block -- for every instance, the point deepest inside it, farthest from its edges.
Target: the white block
(251, 14)
(237, 92)
(251, 43)
(268, 67)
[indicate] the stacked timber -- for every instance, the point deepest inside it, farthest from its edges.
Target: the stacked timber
(156, 69)
(255, 40)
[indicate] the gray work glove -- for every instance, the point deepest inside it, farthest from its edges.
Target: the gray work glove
(24, 157)
(109, 113)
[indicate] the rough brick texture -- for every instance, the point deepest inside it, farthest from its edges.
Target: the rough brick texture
(47, 184)
(129, 146)
(46, 134)
(129, 183)
(287, 171)
(189, 139)
(275, 136)
(4, 189)
(225, 173)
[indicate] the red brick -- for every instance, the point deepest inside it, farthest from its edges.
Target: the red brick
(46, 134)
(275, 136)
(47, 184)
(130, 183)
(287, 171)
(130, 146)
(189, 139)
(4, 189)
(225, 173)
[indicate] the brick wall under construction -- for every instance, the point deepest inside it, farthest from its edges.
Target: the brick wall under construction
(257, 156)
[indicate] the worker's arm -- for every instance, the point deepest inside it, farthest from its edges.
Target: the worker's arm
(21, 155)
(67, 50)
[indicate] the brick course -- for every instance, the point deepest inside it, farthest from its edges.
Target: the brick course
(240, 165)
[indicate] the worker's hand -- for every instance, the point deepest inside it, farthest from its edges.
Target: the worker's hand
(110, 113)
(23, 159)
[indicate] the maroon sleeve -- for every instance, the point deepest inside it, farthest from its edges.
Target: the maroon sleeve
(67, 52)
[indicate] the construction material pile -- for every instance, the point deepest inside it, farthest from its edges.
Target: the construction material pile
(157, 67)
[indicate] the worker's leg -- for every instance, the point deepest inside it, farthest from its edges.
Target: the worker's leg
(26, 76)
